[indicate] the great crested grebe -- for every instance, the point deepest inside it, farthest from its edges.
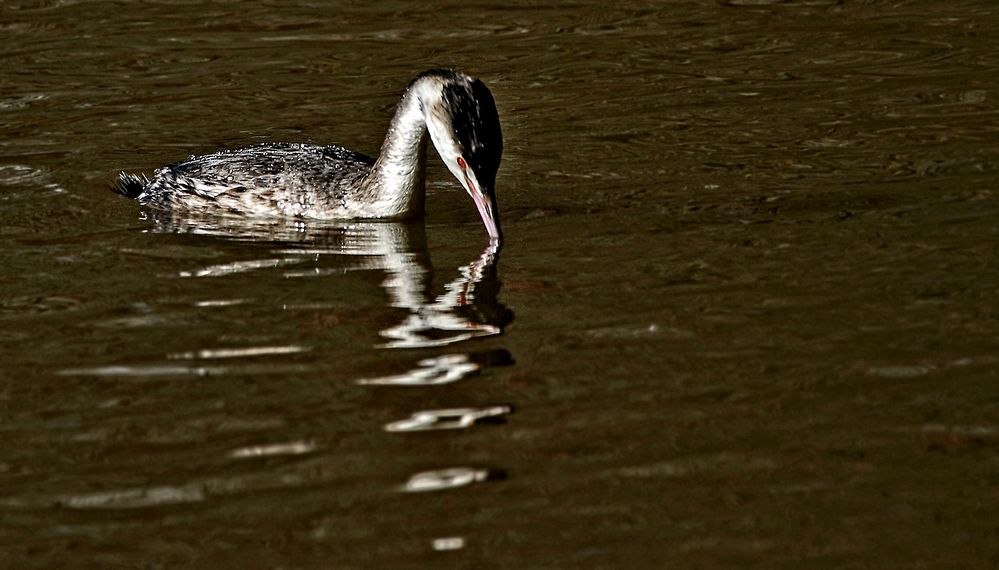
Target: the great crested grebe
(331, 182)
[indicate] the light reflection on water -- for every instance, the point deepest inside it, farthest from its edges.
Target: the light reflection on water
(239, 267)
(153, 496)
(449, 478)
(169, 371)
(457, 418)
(210, 353)
(272, 449)
(449, 543)
(429, 372)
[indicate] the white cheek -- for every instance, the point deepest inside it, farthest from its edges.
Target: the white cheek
(446, 148)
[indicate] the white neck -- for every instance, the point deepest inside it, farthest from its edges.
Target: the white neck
(395, 186)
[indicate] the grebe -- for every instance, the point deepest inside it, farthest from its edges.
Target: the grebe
(330, 182)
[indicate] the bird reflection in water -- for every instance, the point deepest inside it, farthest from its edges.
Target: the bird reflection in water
(453, 316)
(467, 309)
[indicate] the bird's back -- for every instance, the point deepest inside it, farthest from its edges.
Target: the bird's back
(267, 179)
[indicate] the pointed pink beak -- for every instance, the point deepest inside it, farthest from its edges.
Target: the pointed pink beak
(488, 210)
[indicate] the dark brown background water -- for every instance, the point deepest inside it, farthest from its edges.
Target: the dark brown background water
(751, 271)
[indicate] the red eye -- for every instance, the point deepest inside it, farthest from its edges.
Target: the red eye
(462, 163)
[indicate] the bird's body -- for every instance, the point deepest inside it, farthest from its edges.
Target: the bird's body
(253, 181)
(330, 182)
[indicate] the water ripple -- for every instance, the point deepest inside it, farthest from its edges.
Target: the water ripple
(221, 302)
(453, 418)
(270, 450)
(443, 479)
(136, 498)
(234, 267)
(430, 371)
(448, 543)
(167, 370)
(19, 174)
(237, 352)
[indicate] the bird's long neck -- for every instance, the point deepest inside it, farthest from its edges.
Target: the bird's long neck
(395, 185)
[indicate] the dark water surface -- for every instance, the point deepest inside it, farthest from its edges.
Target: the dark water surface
(746, 315)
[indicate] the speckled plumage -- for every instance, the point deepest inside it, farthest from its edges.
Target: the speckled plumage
(454, 110)
(262, 179)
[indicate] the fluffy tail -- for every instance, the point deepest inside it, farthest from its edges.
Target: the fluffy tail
(130, 185)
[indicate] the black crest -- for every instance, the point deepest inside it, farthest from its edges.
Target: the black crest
(476, 125)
